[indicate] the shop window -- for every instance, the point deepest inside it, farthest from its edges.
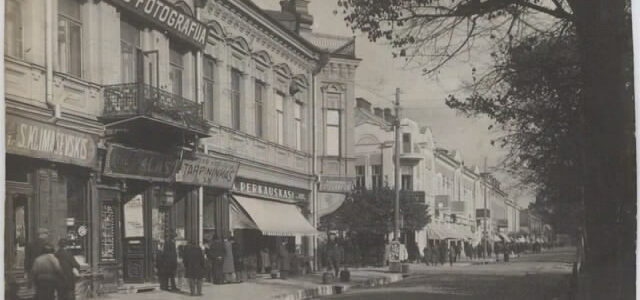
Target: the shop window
(70, 37)
(13, 28)
(236, 83)
(332, 133)
(259, 95)
(109, 220)
(208, 76)
(77, 222)
(280, 118)
(16, 231)
(176, 70)
(129, 49)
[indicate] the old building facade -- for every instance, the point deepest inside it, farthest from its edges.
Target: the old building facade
(133, 122)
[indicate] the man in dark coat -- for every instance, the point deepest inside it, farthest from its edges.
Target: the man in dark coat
(194, 265)
(285, 260)
(167, 263)
(216, 257)
(35, 248)
(46, 273)
(334, 252)
(67, 286)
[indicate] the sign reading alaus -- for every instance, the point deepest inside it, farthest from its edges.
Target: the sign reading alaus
(169, 17)
(31, 138)
(207, 171)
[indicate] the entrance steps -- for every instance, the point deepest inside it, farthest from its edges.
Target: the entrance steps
(133, 288)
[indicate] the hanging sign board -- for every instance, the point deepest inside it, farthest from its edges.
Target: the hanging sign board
(207, 171)
(168, 17)
(41, 140)
(336, 184)
(124, 162)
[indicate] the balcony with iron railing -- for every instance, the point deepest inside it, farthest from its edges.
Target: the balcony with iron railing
(139, 100)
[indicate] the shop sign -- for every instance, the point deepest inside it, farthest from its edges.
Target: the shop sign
(31, 138)
(168, 17)
(207, 171)
(268, 190)
(336, 184)
(126, 162)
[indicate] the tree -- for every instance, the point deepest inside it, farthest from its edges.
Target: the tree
(432, 32)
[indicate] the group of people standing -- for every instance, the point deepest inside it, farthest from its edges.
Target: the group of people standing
(440, 252)
(52, 272)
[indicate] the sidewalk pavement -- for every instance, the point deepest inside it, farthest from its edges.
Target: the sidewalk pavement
(299, 288)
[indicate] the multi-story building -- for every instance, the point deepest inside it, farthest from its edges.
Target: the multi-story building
(133, 122)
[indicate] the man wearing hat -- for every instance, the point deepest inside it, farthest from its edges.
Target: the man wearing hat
(36, 247)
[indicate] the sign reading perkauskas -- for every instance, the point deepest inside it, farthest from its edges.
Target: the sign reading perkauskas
(35, 139)
(207, 171)
(269, 190)
(169, 17)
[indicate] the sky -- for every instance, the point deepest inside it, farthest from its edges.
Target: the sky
(422, 98)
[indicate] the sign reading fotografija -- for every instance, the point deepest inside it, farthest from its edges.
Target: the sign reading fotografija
(127, 162)
(207, 171)
(169, 17)
(35, 139)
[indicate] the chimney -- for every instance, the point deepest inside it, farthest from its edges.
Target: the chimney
(388, 116)
(378, 112)
(300, 9)
(364, 104)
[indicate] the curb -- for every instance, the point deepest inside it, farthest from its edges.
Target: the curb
(328, 290)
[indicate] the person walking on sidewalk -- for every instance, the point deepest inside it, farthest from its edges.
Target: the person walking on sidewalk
(228, 267)
(195, 270)
(452, 255)
(34, 249)
(167, 263)
(47, 274)
(216, 256)
(284, 259)
(70, 268)
(333, 254)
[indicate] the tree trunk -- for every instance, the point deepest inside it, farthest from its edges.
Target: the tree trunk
(609, 155)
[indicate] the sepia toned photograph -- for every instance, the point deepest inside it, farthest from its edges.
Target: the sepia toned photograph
(318, 149)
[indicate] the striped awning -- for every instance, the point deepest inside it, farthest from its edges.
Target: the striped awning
(276, 218)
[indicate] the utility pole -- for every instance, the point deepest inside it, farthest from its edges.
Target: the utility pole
(486, 218)
(396, 123)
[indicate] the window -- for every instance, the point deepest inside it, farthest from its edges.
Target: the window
(69, 37)
(176, 69)
(259, 95)
(208, 82)
(332, 132)
(280, 117)
(406, 143)
(297, 114)
(13, 28)
(360, 177)
(376, 176)
(236, 78)
(407, 182)
(129, 49)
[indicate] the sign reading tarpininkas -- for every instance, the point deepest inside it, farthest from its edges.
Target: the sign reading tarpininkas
(207, 171)
(41, 140)
(169, 17)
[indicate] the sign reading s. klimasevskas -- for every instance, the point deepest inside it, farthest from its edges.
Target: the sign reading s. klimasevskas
(169, 17)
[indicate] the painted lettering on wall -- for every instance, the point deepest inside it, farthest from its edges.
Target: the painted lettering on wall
(168, 16)
(28, 137)
(269, 191)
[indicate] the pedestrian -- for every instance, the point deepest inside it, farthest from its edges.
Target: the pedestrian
(167, 263)
(180, 269)
(452, 255)
(216, 256)
(265, 260)
(46, 273)
(443, 252)
(427, 254)
(195, 270)
(333, 254)
(70, 268)
(238, 260)
(228, 267)
(35, 248)
(284, 259)
(506, 252)
(208, 264)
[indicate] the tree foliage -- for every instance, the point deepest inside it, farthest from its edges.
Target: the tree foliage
(371, 211)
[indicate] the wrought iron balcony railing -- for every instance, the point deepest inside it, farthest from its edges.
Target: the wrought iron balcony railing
(128, 100)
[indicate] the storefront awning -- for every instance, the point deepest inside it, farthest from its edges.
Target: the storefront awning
(275, 218)
(504, 237)
(239, 219)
